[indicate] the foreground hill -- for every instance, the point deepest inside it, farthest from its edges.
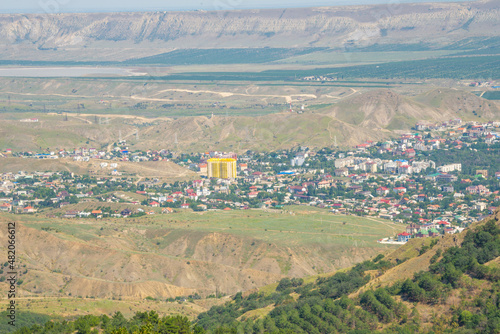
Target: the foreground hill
(448, 286)
(180, 254)
(120, 36)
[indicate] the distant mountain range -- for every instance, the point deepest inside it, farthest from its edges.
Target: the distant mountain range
(121, 36)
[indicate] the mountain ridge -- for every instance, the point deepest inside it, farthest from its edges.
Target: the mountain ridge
(62, 35)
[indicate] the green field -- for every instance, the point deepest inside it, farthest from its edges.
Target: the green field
(489, 95)
(222, 56)
(330, 57)
(296, 226)
(446, 67)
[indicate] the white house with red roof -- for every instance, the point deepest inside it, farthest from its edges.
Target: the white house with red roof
(399, 190)
(29, 209)
(404, 237)
(382, 191)
(6, 207)
(253, 194)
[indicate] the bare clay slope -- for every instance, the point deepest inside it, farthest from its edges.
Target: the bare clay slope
(121, 36)
(136, 262)
(459, 103)
(386, 109)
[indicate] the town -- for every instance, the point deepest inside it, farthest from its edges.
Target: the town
(437, 179)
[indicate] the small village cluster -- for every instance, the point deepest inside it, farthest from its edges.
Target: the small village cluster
(401, 180)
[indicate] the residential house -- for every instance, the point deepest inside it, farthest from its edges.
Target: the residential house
(421, 197)
(449, 168)
(433, 232)
(340, 172)
(477, 190)
(412, 228)
(167, 210)
(96, 212)
(126, 212)
(253, 194)
(483, 172)
(6, 207)
(448, 188)
(422, 233)
(404, 237)
(382, 191)
(399, 190)
(29, 209)
(70, 214)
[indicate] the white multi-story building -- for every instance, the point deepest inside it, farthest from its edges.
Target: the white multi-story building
(449, 168)
(345, 162)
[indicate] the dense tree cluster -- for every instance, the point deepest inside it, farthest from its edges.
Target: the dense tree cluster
(140, 323)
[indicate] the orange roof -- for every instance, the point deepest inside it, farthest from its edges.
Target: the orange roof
(227, 209)
(96, 211)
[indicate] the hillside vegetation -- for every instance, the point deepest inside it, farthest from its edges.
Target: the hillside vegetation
(456, 290)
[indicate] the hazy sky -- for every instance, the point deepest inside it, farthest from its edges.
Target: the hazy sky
(63, 6)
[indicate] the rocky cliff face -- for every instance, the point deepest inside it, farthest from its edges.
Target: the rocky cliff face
(438, 24)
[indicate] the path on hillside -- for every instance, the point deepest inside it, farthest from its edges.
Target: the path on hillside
(288, 98)
(354, 91)
(307, 233)
(383, 223)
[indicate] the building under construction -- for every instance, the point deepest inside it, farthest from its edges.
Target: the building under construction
(222, 168)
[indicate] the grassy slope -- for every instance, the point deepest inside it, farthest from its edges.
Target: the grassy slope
(464, 297)
(177, 254)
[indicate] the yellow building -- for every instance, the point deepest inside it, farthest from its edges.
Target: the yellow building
(222, 168)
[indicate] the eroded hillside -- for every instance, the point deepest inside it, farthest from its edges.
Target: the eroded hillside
(180, 254)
